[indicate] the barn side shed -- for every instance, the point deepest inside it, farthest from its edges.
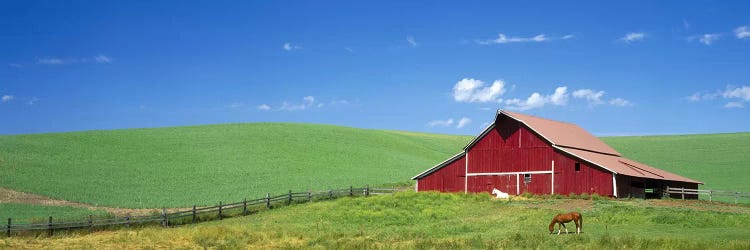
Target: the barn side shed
(519, 153)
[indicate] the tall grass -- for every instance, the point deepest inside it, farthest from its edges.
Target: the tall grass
(438, 221)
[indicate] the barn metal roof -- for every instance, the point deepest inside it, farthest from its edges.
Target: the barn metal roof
(625, 166)
(563, 134)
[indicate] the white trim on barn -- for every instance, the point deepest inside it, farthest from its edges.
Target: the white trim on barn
(466, 172)
(508, 173)
(614, 185)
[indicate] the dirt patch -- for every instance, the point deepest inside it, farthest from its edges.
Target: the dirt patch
(12, 196)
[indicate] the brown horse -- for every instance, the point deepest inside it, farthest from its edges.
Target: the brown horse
(565, 218)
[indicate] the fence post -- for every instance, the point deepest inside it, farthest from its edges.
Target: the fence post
(244, 206)
(193, 214)
(220, 211)
(309, 195)
(735, 197)
(7, 231)
(127, 220)
(290, 198)
(268, 200)
(91, 222)
(330, 194)
(683, 193)
(351, 191)
(164, 221)
(367, 190)
(49, 226)
(709, 195)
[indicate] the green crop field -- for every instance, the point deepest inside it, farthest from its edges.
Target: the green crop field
(182, 166)
(721, 161)
(440, 221)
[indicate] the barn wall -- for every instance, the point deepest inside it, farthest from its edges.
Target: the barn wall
(447, 179)
(589, 179)
(512, 147)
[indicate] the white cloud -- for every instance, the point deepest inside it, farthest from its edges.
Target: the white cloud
(742, 32)
(290, 47)
(463, 122)
(708, 39)
(15, 65)
(560, 97)
(619, 102)
(440, 123)
(593, 97)
(737, 96)
(685, 24)
(734, 105)
(264, 107)
(502, 39)
(536, 100)
(349, 49)
(633, 37)
(568, 36)
(308, 102)
(7, 98)
(411, 41)
(472, 90)
(52, 61)
(741, 93)
(102, 59)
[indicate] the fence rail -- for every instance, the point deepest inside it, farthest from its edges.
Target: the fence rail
(710, 193)
(196, 214)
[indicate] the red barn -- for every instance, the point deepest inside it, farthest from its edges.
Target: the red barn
(519, 153)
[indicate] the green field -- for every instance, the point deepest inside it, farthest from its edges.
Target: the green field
(202, 165)
(721, 161)
(182, 166)
(441, 221)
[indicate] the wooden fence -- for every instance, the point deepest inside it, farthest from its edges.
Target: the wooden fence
(710, 193)
(196, 214)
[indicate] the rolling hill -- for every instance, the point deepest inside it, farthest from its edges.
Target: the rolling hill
(183, 166)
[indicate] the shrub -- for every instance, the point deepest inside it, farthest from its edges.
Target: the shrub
(584, 196)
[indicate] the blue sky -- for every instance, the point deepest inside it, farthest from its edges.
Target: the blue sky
(629, 68)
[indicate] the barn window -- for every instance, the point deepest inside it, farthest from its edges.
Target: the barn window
(526, 178)
(578, 167)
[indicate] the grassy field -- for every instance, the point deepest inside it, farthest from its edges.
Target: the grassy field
(441, 221)
(721, 161)
(202, 165)
(25, 213)
(182, 166)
